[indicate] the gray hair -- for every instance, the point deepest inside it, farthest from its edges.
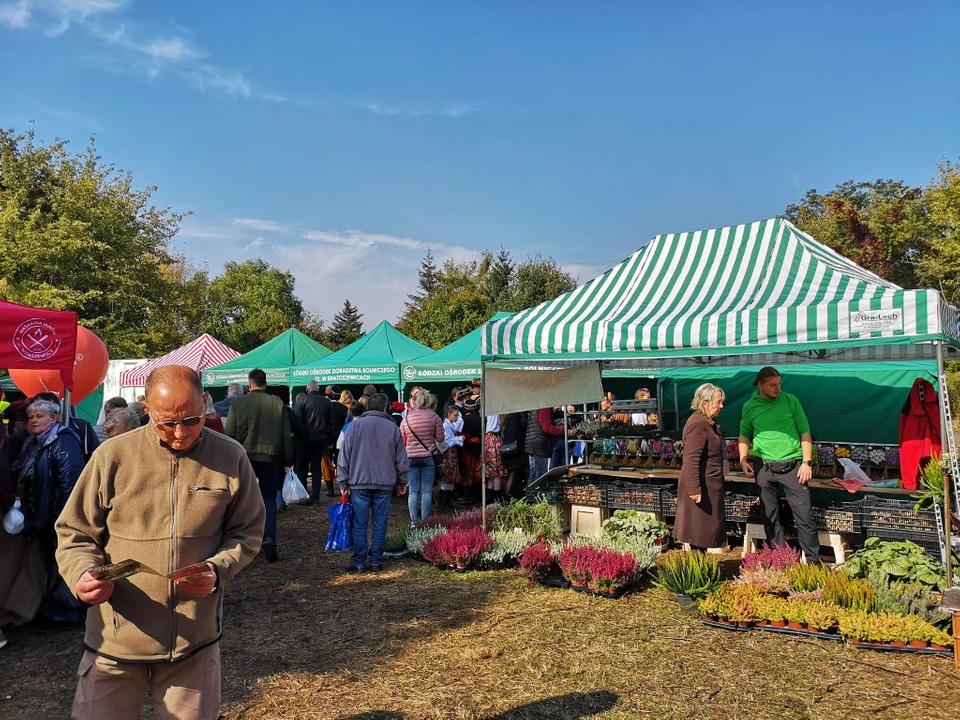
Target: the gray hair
(235, 390)
(420, 398)
(137, 407)
(313, 386)
(378, 401)
(704, 396)
(46, 407)
(122, 419)
(114, 403)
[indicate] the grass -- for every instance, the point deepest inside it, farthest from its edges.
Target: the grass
(303, 640)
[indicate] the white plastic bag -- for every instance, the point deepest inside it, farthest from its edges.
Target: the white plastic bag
(13, 520)
(852, 471)
(293, 490)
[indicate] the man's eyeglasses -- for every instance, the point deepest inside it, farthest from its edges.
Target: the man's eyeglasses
(191, 421)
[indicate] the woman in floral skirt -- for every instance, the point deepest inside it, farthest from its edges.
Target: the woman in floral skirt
(452, 425)
(492, 462)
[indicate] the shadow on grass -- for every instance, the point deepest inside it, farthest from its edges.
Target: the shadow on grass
(562, 707)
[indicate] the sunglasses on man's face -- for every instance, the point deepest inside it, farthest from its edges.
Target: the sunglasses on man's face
(191, 421)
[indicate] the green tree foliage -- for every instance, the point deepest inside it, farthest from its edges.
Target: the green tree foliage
(250, 303)
(346, 328)
(466, 294)
(76, 235)
(940, 266)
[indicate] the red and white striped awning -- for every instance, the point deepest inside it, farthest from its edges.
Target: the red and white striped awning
(200, 354)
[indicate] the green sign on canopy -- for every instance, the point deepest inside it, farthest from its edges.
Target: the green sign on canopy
(375, 358)
(275, 358)
(460, 360)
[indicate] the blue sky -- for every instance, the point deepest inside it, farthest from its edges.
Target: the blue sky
(338, 140)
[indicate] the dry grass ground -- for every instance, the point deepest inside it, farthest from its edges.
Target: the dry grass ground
(303, 640)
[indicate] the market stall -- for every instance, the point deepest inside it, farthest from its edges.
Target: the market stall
(200, 354)
(756, 294)
(276, 358)
(374, 359)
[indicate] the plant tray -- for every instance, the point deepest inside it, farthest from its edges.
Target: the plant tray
(548, 493)
(890, 648)
(843, 518)
(553, 581)
(609, 596)
(724, 626)
(396, 555)
(668, 502)
(634, 496)
(883, 514)
(587, 494)
(836, 637)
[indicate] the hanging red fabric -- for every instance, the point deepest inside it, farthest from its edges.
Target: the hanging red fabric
(919, 431)
(34, 338)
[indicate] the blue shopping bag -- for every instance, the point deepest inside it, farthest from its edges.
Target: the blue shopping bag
(341, 526)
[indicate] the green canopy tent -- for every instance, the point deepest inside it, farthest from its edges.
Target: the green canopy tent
(755, 294)
(458, 361)
(373, 359)
(275, 358)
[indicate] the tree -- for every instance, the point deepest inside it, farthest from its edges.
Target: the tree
(313, 326)
(881, 225)
(538, 280)
(250, 303)
(940, 267)
(500, 279)
(347, 326)
(76, 235)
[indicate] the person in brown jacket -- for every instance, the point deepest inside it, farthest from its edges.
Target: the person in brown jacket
(168, 495)
(701, 517)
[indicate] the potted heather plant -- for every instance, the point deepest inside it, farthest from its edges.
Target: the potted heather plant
(793, 613)
(769, 611)
(742, 604)
(575, 563)
(854, 625)
(711, 607)
(778, 557)
(820, 617)
(940, 640)
(538, 561)
(464, 547)
(610, 572)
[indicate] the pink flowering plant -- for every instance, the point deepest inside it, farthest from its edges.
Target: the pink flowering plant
(776, 558)
(600, 569)
(458, 547)
(537, 560)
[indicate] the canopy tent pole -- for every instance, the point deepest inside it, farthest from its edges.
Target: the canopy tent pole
(66, 408)
(566, 443)
(483, 447)
(946, 445)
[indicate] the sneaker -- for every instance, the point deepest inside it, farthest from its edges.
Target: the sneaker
(353, 569)
(270, 550)
(3, 640)
(376, 568)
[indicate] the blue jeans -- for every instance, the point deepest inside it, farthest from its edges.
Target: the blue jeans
(362, 502)
(270, 478)
(538, 467)
(421, 475)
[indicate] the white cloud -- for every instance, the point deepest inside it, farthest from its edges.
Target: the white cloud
(261, 225)
(65, 13)
(450, 110)
(204, 232)
(171, 50)
(359, 239)
(15, 14)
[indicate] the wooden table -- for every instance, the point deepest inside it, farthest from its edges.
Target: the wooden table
(674, 474)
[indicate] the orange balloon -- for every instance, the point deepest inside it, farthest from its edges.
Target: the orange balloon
(89, 370)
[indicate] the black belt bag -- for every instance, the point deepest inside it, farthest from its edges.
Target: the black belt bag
(781, 467)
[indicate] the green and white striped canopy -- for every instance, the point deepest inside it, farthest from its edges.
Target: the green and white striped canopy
(763, 287)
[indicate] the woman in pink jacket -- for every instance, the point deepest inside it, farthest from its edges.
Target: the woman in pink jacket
(421, 431)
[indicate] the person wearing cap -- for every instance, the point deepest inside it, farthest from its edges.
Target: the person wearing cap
(783, 450)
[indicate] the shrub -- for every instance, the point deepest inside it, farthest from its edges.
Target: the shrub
(644, 553)
(854, 624)
(741, 602)
(610, 571)
(397, 541)
(693, 574)
(535, 520)
(806, 595)
(794, 612)
(574, 561)
(888, 562)
(712, 606)
(506, 546)
(766, 579)
(418, 537)
(910, 599)
(625, 525)
(457, 547)
(821, 616)
(537, 560)
(770, 608)
(777, 557)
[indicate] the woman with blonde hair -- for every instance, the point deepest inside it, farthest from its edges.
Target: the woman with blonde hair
(701, 520)
(421, 430)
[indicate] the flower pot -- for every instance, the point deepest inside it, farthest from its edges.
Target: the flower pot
(897, 643)
(762, 623)
(919, 644)
(856, 641)
(934, 646)
(461, 566)
(744, 623)
(778, 624)
(796, 626)
(686, 600)
(723, 621)
(811, 628)
(877, 644)
(576, 583)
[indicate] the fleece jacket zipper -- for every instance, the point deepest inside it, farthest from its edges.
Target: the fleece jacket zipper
(173, 557)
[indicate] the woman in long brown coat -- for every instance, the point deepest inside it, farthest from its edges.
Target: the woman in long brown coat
(701, 518)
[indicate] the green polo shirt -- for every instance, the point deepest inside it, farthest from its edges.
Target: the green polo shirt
(775, 426)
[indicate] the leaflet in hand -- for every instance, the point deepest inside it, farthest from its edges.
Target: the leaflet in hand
(126, 568)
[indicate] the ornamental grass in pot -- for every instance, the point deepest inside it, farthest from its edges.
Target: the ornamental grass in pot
(689, 575)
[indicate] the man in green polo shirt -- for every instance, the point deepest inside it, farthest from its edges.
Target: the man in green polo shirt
(783, 452)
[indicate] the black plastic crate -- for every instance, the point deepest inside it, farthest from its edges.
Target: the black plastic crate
(897, 516)
(668, 502)
(743, 508)
(548, 492)
(581, 494)
(634, 496)
(928, 541)
(843, 518)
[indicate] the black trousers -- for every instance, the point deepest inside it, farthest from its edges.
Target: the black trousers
(798, 497)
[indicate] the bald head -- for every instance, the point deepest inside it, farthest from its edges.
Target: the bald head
(178, 380)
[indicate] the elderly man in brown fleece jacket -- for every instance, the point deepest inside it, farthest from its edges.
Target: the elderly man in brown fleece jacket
(168, 495)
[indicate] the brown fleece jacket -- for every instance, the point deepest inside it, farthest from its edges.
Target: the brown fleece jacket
(139, 499)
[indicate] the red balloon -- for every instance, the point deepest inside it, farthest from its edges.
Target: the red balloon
(89, 370)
